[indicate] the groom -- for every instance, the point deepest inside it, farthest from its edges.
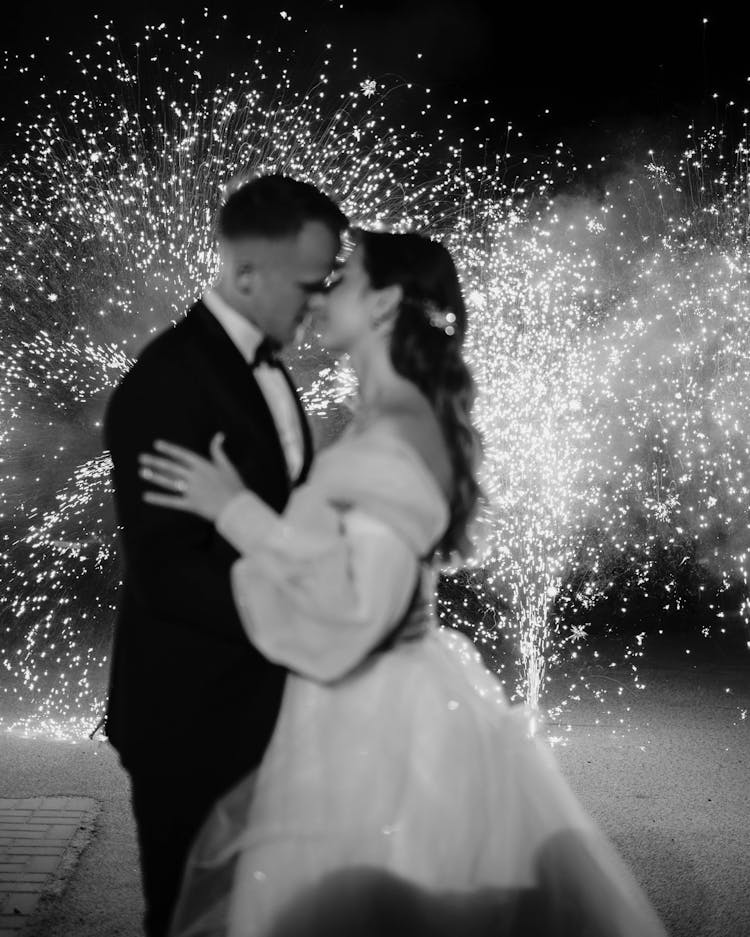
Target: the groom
(192, 704)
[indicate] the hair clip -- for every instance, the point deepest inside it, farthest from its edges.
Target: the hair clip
(441, 318)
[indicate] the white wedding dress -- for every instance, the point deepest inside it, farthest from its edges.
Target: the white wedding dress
(400, 792)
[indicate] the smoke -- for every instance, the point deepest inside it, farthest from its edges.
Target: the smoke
(664, 317)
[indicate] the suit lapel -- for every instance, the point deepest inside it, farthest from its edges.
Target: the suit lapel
(237, 375)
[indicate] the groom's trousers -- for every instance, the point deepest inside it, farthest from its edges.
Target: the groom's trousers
(170, 807)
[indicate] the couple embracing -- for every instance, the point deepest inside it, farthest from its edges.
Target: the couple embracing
(309, 753)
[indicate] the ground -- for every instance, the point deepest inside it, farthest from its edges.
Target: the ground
(669, 785)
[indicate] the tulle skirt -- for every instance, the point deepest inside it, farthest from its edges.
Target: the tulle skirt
(408, 798)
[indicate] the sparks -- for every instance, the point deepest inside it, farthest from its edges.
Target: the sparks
(609, 344)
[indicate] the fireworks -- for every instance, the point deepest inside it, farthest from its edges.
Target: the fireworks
(622, 427)
(609, 339)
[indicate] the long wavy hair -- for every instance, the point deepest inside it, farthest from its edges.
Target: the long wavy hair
(430, 356)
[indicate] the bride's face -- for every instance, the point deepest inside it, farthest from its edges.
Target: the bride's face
(345, 315)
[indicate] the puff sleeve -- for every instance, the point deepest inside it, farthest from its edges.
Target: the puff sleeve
(317, 595)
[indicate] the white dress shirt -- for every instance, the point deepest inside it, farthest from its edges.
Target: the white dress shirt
(271, 381)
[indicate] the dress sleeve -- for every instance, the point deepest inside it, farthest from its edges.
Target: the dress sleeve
(317, 588)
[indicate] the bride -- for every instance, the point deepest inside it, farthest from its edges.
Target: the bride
(400, 792)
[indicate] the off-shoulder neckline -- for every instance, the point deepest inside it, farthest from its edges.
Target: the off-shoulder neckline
(380, 432)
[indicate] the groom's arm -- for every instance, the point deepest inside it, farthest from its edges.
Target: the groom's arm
(176, 562)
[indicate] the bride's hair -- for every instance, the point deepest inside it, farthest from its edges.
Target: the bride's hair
(426, 349)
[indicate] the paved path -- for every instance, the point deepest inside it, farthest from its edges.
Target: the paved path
(663, 771)
(40, 841)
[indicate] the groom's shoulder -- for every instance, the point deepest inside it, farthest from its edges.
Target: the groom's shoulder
(168, 348)
(165, 364)
(172, 340)
(164, 371)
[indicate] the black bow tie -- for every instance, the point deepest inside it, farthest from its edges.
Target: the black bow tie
(266, 353)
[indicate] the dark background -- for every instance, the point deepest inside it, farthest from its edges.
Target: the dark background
(591, 76)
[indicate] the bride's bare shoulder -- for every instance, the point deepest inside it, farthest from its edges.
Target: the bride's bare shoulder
(417, 424)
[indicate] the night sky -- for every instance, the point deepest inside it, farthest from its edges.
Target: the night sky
(600, 79)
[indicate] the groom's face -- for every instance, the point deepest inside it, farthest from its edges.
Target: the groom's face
(271, 282)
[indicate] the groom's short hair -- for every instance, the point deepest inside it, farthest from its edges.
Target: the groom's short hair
(276, 206)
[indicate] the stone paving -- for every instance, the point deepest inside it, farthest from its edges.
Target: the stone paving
(41, 839)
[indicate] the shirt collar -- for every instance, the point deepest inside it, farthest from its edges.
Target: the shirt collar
(243, 333)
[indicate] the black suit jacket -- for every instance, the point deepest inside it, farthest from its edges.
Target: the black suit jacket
(186, 686)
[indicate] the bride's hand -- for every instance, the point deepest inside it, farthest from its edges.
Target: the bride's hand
(202, 486)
